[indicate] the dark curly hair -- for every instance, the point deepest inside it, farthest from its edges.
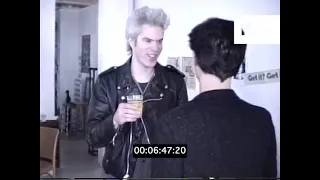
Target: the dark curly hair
(212, 42)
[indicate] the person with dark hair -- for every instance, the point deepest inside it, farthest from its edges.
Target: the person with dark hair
(225, 135)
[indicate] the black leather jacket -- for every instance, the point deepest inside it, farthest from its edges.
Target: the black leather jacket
(165, 91)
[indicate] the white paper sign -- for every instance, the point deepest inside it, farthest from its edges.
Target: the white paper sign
(264, 77)
(258, 29)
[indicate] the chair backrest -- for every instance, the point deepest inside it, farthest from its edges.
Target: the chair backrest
(48, 142)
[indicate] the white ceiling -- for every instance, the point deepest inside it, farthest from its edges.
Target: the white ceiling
(78, 2)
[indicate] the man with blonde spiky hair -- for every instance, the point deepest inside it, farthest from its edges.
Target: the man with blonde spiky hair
(114, 123)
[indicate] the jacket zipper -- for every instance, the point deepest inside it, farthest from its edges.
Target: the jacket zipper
(130, 139)
(142, 93)
(128, 154)
(144, 126)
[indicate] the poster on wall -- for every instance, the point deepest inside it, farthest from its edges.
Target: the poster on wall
(85, 54)
(187, 68)
(174, 61)
(241, 71)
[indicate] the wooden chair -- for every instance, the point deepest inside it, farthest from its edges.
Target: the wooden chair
(48, 148)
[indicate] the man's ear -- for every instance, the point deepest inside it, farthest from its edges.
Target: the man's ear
(131, 43)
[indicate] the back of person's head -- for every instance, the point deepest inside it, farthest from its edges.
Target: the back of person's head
(144, 16)
(215, 53)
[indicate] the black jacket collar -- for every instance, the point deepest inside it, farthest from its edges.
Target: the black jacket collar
(217, 94)
(125, 78)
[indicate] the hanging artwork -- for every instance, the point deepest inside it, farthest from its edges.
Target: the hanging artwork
(187, 68)
(174, 61)
(85, 54)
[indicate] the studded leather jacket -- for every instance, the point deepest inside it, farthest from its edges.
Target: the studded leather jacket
(165, 91)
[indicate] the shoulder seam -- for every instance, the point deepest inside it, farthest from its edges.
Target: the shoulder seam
(174, 69)
(111, 69)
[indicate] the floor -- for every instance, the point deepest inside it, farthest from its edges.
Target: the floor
(75, 160)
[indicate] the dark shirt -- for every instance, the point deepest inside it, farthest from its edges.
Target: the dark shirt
(143, 86)
(143, 165)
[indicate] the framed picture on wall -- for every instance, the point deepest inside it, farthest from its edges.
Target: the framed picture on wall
(85, 53)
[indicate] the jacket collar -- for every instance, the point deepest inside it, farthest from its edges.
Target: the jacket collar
(217, 94)
(125, 78)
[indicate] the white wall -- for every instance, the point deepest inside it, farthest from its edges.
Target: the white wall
(69, 51)
(73, 24)
(88, 25)
(111, 32)
(47, 36)
(185, 14)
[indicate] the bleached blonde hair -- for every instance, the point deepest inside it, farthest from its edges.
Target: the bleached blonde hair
(144, 16)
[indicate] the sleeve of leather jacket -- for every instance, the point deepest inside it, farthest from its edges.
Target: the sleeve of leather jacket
(183, 94)
(100, 129)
